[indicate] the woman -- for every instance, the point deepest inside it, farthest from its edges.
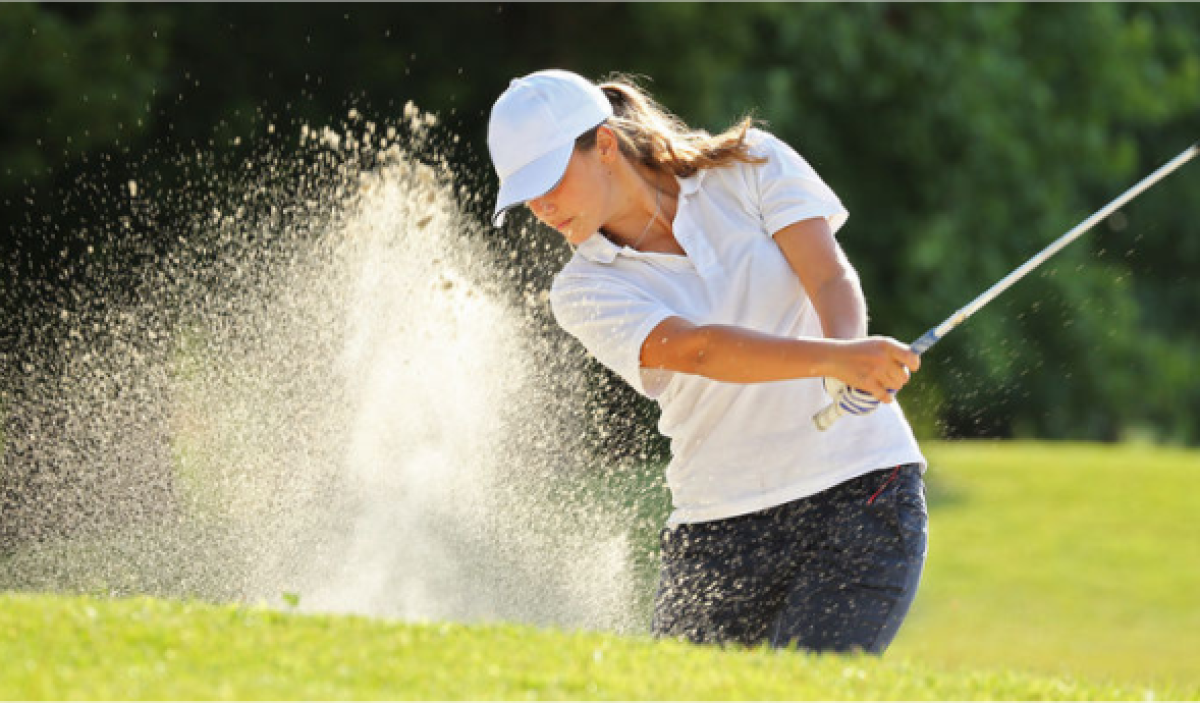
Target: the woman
(707, 276)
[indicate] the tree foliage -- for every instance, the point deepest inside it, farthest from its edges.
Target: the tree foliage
(73, 84)
(962, 137)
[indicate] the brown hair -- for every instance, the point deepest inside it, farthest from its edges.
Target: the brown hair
(650, 135)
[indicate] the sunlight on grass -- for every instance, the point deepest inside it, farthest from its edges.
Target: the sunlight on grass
(1057, 558)
(85, 648)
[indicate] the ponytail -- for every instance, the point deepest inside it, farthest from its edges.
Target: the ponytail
(650, 135)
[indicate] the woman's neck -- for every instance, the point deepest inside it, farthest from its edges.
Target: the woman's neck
(646, 224)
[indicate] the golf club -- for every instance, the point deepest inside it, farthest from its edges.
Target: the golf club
(825, 418)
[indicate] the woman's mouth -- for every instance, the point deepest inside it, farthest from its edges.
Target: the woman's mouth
(560, 226)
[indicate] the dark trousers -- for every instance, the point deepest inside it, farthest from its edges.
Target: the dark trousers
(835, 572)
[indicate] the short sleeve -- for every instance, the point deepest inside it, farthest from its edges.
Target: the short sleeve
(612, 320)
(789, 189)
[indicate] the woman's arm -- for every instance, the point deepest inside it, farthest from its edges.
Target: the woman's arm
(740, 355)
(826, 274)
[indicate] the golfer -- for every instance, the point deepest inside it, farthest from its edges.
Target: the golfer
(706, 274)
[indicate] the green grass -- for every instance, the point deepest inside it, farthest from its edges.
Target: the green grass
(1056, 558)
(57, 647)
(1059, 571)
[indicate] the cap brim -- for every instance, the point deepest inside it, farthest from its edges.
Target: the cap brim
(533, 180)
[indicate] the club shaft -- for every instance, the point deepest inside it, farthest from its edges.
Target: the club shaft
(932, 336)
(830, 414)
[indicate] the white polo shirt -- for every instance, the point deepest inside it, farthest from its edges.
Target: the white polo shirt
(736, 448)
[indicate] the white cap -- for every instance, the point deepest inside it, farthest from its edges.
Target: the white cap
(532, 132)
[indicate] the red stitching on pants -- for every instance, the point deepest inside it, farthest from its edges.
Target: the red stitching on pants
(891, 477)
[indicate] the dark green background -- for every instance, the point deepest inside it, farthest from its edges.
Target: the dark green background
(962, 137)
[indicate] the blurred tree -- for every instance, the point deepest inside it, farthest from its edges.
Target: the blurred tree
(78, 83)
(74, 80)
(963, 138)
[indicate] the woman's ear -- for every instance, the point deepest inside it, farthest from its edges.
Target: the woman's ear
(606, 143)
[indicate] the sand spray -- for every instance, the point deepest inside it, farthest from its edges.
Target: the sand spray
(310, 386)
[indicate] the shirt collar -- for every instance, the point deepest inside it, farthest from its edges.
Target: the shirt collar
(599, 249)
(691, 184)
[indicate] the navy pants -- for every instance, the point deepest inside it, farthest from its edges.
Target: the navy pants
(833, 572)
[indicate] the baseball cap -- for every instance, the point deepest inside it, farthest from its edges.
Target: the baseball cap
(532, 132)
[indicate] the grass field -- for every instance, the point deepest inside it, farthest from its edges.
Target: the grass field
(1054, 558)
(1056, 571)
(84, 648)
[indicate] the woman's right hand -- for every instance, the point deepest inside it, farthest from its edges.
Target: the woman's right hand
(879, 366)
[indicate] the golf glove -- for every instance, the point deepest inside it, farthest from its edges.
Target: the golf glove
(852, 401)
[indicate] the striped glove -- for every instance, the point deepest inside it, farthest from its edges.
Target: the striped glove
(852, 401)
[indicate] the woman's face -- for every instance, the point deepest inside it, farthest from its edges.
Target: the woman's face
(577, 206)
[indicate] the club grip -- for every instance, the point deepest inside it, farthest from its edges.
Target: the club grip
(828, 415)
